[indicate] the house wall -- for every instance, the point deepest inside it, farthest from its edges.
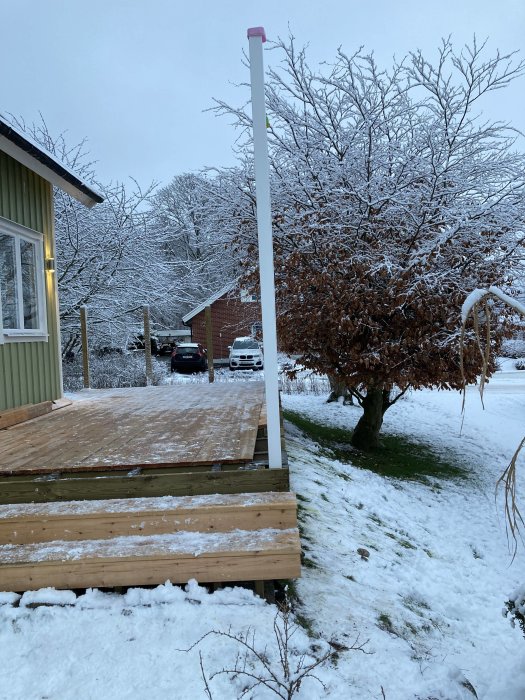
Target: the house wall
(30, 371)
(230, 318)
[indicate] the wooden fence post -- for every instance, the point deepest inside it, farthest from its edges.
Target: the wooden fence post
(85, 347)
(209, 343)
(147, 347)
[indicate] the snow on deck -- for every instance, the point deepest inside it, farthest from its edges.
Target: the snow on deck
(179, 543)
(181, 424)
(134, 505)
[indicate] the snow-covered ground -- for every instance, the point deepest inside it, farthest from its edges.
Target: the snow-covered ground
(427, 600)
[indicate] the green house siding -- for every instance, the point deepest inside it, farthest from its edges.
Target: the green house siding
(30, 371)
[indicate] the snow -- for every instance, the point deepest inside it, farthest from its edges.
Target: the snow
(427, 600)
(47, 596)
(478, 294)
(179, 543)
(132, 505)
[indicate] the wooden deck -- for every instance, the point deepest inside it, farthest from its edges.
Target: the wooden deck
(137, 486)
(177, 425)
(177, 440)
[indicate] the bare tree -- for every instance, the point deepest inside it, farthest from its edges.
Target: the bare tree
(194, 243)
(108, 257)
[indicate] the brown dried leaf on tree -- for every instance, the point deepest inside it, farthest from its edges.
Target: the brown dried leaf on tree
(391, 200)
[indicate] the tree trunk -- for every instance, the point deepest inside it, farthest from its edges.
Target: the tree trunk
(366, 433)
(338, 390)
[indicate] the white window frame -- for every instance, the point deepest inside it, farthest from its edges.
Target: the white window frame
(17, 335)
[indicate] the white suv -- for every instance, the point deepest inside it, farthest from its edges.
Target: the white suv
(246, 353)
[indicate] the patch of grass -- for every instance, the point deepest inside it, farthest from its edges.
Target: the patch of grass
(385, 623)
(306, 624)
(286, 591)
(343, 476)
(416, 605)
(396, 456)
(303, 499)
(302, 532)
(376, 519)
(308, 563)
(402, 542)
(412, 628)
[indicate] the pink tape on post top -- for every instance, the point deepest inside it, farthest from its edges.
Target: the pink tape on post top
(257, 31)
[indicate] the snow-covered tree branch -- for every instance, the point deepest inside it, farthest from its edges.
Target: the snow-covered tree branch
(392, 199)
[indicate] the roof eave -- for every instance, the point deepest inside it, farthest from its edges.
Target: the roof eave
(25, 152)
(207, 302)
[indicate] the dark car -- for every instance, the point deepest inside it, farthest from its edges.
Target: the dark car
(189, 357)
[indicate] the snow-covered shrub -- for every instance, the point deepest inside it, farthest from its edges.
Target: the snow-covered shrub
(112, 371)
(513, 347)
(312, 384)
(520, 364)
(515, 608)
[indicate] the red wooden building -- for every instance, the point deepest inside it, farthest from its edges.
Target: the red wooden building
(234, 313)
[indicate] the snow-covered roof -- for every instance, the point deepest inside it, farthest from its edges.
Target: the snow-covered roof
(180, 332)
(25, 150)
(208, 302)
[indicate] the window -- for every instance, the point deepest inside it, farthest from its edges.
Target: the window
(245, 344)
(22, 305)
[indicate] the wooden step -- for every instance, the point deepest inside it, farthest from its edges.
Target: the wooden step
(240, 555)
(94, 520)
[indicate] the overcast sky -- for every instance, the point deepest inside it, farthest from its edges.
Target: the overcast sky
(135, 76)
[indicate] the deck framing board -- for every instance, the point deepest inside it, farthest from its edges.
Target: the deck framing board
(170, 483)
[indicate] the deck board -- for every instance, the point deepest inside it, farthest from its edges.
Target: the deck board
(173, 425)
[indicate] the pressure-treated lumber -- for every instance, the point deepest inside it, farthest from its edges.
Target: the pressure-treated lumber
(13, 416)
(140, 427)
(124, 542)
(261, 555)
(29, 523)
(177, 482)
(147, 541)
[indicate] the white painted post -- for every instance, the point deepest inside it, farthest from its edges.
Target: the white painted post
(85, 345)
(147, 347)
(256, 37)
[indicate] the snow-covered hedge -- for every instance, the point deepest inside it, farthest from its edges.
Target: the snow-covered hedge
(113, 371)
(513, 347)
